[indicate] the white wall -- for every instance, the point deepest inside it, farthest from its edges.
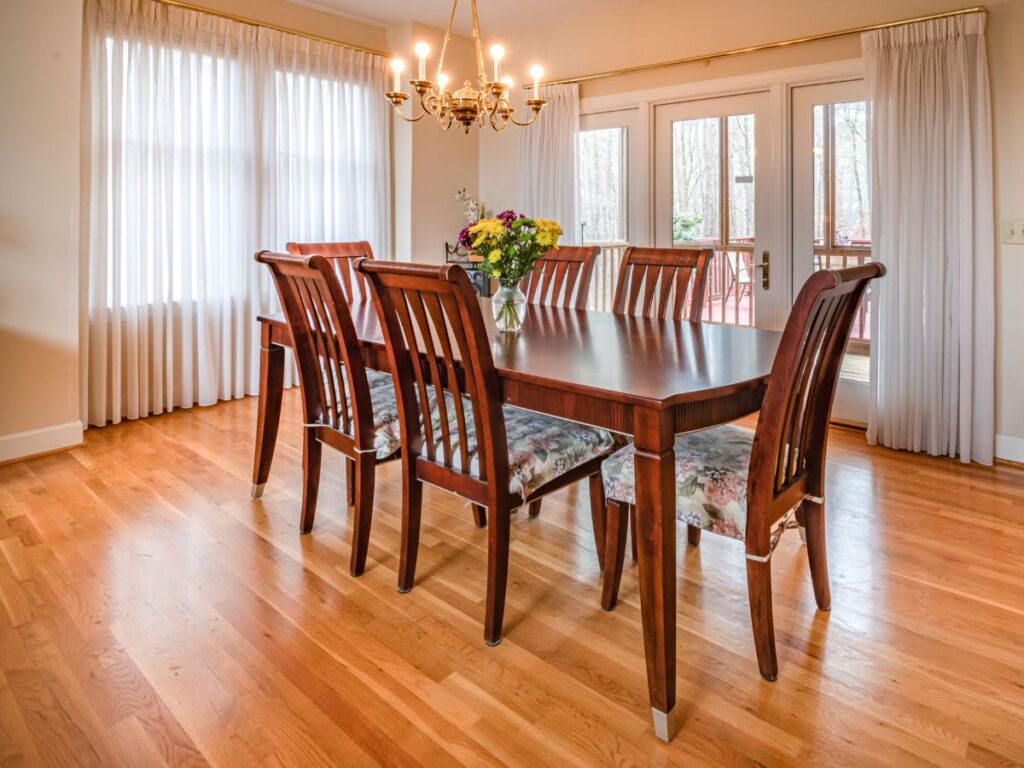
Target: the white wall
(657, 30)
(40, 94)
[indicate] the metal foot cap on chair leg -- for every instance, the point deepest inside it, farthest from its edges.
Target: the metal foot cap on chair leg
(495, 643)
(257, 490)
(803, 535)
(664, 724)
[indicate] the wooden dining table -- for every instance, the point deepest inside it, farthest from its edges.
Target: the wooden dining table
(647, 378)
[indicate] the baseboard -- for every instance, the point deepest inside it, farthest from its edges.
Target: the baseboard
(1010, 448)
(25, 444)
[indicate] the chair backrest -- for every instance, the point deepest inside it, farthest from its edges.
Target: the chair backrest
(436, 339)
(342, 256)
(562, 277)
(788, 458)
(656, 282)
(332, 375)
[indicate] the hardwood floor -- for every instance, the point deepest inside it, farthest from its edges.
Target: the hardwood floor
(154, 615)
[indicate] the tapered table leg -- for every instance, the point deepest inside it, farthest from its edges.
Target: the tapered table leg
(656, 550)
(269, 414)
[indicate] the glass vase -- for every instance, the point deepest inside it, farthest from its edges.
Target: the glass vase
(509, 305)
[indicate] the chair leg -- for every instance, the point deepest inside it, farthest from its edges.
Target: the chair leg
(350, 481)
(362, 516)
(759, 589)
(597, 515)
(497, 573)
(412, 504)
(616, 523)
(814, 524)
(693, 535)
(312, 451)
(632, 532)
(480, 516)
(535, 508)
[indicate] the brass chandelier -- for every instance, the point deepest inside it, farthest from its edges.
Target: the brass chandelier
(488, 102)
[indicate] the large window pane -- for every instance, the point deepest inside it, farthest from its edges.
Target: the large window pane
(602, 177)
(853, 212)
(696, 190)
(741, 178)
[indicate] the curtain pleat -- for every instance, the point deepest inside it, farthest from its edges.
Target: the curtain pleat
(548, 180)
(208, 140)
(933, 320)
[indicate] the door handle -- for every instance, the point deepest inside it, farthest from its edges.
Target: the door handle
(766, 269)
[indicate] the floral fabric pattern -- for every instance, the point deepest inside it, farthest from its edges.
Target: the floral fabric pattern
(387, 435)
(540, 448)
(711, 479)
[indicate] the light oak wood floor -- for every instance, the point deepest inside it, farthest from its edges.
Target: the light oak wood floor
(152, 615)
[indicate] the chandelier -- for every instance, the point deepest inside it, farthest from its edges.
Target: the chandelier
(487, 102)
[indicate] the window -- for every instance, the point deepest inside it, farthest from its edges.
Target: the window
(602, 185)
(842, 203)
(713, 206)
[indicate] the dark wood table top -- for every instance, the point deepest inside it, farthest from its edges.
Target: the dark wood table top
(632, 360)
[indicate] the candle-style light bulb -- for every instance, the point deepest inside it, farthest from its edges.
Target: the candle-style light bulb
(442, 81)
(422, 51)
(497, 53)
(536, 72)
(398, 67)
(508, 82)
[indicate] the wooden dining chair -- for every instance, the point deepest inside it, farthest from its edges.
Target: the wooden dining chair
(463, 440)
(344, 405)
(341, 256)
(739, 483)
(561, 278)
(663, 283)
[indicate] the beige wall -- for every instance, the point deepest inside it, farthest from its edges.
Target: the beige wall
(40, 72)
(431, 164)
(659, 30)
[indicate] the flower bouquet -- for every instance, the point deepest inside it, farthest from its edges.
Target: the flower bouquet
(509, 246)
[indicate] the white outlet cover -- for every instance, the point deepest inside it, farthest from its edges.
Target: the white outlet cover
(1013, 231)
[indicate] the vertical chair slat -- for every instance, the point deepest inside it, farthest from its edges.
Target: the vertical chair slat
(664, 273)
(427, 338)
(316, 341)
(400, 299)
(562, 276)
(451, 309)
(436, 313)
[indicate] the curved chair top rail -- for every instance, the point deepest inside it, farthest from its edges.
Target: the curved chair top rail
(342, 256)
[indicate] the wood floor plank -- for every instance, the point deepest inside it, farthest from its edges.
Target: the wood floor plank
(151, 614)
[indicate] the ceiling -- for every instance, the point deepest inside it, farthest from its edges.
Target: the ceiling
(494, 14)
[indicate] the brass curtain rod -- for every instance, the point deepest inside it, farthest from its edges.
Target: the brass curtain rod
(264, 25)
(708, 57)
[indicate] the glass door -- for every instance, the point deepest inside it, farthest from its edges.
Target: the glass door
(832, 212)
(712, 168)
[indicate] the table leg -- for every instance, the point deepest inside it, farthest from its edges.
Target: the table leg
(656, 533)
(269, 415)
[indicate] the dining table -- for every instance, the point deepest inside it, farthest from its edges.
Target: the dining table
(646, 378)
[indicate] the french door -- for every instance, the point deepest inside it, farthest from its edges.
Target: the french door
(832, 211)
(715, 186)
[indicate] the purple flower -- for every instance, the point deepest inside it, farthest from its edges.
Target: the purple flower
(507, 217)
(464, 240)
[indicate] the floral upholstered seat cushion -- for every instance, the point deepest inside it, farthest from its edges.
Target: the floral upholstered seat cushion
(711, 478)
(387, 435)
(540, 448)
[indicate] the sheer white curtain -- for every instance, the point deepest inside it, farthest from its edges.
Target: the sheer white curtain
(207, 140)
(548, 186)
(932, 335)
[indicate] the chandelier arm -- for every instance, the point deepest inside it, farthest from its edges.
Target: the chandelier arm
(416, 119)
(524, 123)
(447, 39)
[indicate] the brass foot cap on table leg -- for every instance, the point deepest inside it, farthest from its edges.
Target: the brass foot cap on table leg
(664, 724)
(257, 490)
(496, 642)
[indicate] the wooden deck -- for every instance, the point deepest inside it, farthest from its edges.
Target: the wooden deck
(150, 615)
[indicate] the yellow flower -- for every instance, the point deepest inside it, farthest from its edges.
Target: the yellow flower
(495, 256)
(548, 232)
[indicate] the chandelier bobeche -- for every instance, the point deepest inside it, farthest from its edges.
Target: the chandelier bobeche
(486, 103)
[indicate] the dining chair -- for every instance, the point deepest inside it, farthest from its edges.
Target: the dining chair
(464, 440)
(344, 404)
(739, 482)
(667, 283)
(561, 277)
(341, 256)
(663, 283)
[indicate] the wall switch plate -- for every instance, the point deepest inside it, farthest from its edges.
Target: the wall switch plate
(1013, 231)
